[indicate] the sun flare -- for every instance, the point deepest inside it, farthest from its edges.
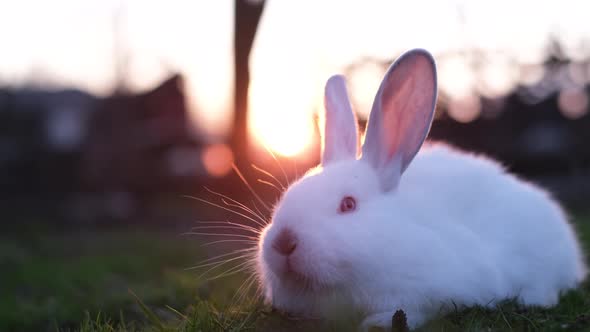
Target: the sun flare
(287, 134)
(281, 108)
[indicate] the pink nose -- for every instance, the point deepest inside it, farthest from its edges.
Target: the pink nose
(285, 242)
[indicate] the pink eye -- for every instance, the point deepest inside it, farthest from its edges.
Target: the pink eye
(348, 204)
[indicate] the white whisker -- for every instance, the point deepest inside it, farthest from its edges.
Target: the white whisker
(278, 163)
(269, 184)
(245, 227)
(295, 167)
(244, 288)
(244, 234)
(225, 227)
(237, 251)
(231, 240)
(212, 269)
(235, 168)
(245, 209)
(222, 234)
(236, 204)
(258, 210)
(218, 263)
(236, 269)
(269, 175)
(226, 209)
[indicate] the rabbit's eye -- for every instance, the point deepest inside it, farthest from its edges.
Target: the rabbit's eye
(348, 204)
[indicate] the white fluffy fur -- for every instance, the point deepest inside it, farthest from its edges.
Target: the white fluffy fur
(456, 229)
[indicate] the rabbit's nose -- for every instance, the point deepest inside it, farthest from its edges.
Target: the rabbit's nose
(285, 242)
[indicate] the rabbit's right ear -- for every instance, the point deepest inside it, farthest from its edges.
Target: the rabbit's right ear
(401, 116)
(339, 132)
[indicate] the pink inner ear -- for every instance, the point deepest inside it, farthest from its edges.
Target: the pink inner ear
(401, 100)
(406, 106)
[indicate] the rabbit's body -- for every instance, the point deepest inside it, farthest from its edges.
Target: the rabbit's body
(517, 223)
(355, 236)
(520, 248)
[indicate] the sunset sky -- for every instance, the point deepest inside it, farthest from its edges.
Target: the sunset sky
(74, 43)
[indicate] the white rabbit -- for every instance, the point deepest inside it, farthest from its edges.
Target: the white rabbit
(355, 236)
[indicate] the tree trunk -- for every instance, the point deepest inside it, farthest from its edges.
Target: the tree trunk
(247, 15)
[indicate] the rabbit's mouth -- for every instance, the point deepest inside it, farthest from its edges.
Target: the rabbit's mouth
(295, 273)
(298, 280)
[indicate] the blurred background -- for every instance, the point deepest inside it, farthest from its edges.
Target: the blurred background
(112, 111)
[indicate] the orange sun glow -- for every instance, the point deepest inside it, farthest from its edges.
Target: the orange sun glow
(287, 134)
(280, 117)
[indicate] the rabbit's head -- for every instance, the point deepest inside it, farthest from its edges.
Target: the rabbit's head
(328, 229)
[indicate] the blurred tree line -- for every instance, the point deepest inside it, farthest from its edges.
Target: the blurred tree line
(70, 146)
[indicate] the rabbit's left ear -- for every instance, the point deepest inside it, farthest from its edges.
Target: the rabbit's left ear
(401, 116)
(339, 133)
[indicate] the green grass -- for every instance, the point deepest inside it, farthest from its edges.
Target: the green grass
(136, 280)
(52, 278)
